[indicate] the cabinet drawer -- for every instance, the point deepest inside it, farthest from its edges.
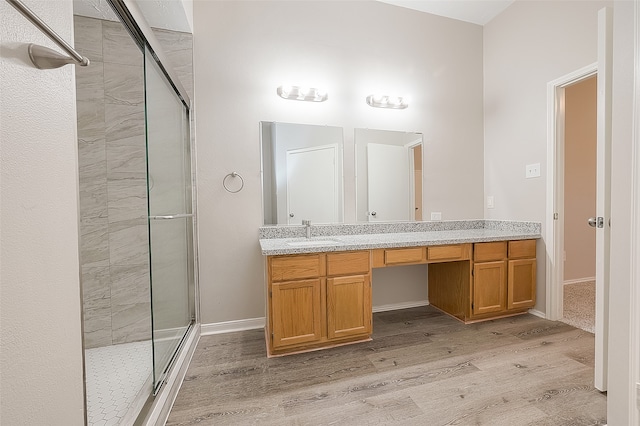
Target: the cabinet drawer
(455, 252)
(400, 256)
(486, 252)
(522, 249)
(287, 268)
(348, 263)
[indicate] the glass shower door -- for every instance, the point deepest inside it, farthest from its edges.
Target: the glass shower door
(170, 216)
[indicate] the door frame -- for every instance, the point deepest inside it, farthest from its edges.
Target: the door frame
(412, 173)
(554, 235)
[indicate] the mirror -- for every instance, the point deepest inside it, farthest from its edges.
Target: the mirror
(302, 173)
(389, 175)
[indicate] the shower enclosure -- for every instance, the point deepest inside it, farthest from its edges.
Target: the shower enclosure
(136, 208)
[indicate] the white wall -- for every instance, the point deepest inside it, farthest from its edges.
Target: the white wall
(525, 47)
(620, 397)
(244, 50)
(41, 347)
(580, 179)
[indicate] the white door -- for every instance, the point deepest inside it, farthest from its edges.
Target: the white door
(603, 196)
(388, 182)
(312, 185)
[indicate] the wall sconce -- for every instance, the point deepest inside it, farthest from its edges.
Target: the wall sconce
(297, 93)
(384, 101)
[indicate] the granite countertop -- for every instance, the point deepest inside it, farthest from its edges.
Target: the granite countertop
(461, 232)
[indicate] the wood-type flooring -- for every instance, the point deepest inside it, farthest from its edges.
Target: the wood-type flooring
(421, 368)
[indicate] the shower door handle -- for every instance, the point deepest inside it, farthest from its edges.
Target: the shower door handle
(171, 216)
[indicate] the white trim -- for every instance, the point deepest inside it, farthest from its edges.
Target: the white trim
(554, 239)
(396, 306)
(634, 327)
(231, 326)
(537, 313)
(578, 280)
(163, 401)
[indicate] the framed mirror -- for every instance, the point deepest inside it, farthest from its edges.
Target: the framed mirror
(302, 173)
(389, 175)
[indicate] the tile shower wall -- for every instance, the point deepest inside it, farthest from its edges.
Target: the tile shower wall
(112, 162)
(113, 195)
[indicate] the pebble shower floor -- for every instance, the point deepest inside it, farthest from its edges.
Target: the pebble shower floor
(115, 376)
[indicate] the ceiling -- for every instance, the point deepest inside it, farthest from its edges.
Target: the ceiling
(166, 14)
(475, 11)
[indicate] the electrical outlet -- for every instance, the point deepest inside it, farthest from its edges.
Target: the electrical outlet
(436, 216)
(490, 204)
(532, 171)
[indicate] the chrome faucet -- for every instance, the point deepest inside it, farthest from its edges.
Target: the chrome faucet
(307, 224)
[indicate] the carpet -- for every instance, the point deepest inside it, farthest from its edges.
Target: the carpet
(580, 305)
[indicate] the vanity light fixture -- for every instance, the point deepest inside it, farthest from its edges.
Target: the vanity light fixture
(384, 101)
(298, 93)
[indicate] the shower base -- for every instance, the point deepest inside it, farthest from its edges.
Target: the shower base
(118, 382)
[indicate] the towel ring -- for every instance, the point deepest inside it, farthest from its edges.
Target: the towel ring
(233, 174)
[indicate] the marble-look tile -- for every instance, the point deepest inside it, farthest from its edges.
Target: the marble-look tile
(123, 84)
(127, 198)
(128, 242)
(88, 37)
(172, 41)
(96, 287)
(96, 295)
(93, 200)
(97, 332)
(178, 48)
(131, 322)
(91, 119)
(92, 158)
(117, 45)
(123, 121)
(90, 82)
(130, 284)
(94, 243)
(127, 156)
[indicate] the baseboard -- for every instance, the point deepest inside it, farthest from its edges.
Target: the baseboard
(538, 313)
(578, 280)
(256, 323)
(231, 326)
(396, 306)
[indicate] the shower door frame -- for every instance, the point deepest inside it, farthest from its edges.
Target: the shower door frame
(160, 401)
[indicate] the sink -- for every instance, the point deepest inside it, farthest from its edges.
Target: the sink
(310, 243)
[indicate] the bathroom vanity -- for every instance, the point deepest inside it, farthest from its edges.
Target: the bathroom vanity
(319, 288)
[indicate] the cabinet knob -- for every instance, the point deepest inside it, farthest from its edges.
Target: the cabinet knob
(290, 214)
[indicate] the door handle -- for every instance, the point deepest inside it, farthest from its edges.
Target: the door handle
(596, 222)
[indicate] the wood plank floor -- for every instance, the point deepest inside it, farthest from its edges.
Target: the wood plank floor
(421, 368)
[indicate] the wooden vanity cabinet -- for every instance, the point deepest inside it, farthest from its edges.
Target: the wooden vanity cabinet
(489, 294)
(521, 287)
(317, 300)
(504, 279)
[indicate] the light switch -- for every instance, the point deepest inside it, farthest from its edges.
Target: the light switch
(490, 201)
(532, 171)
(436, 216)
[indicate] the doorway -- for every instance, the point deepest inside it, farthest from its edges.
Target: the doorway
(579, 255)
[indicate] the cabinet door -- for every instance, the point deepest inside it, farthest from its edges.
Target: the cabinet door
(489, 286)
(296, 312)
(521, 284)
(348, 306)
